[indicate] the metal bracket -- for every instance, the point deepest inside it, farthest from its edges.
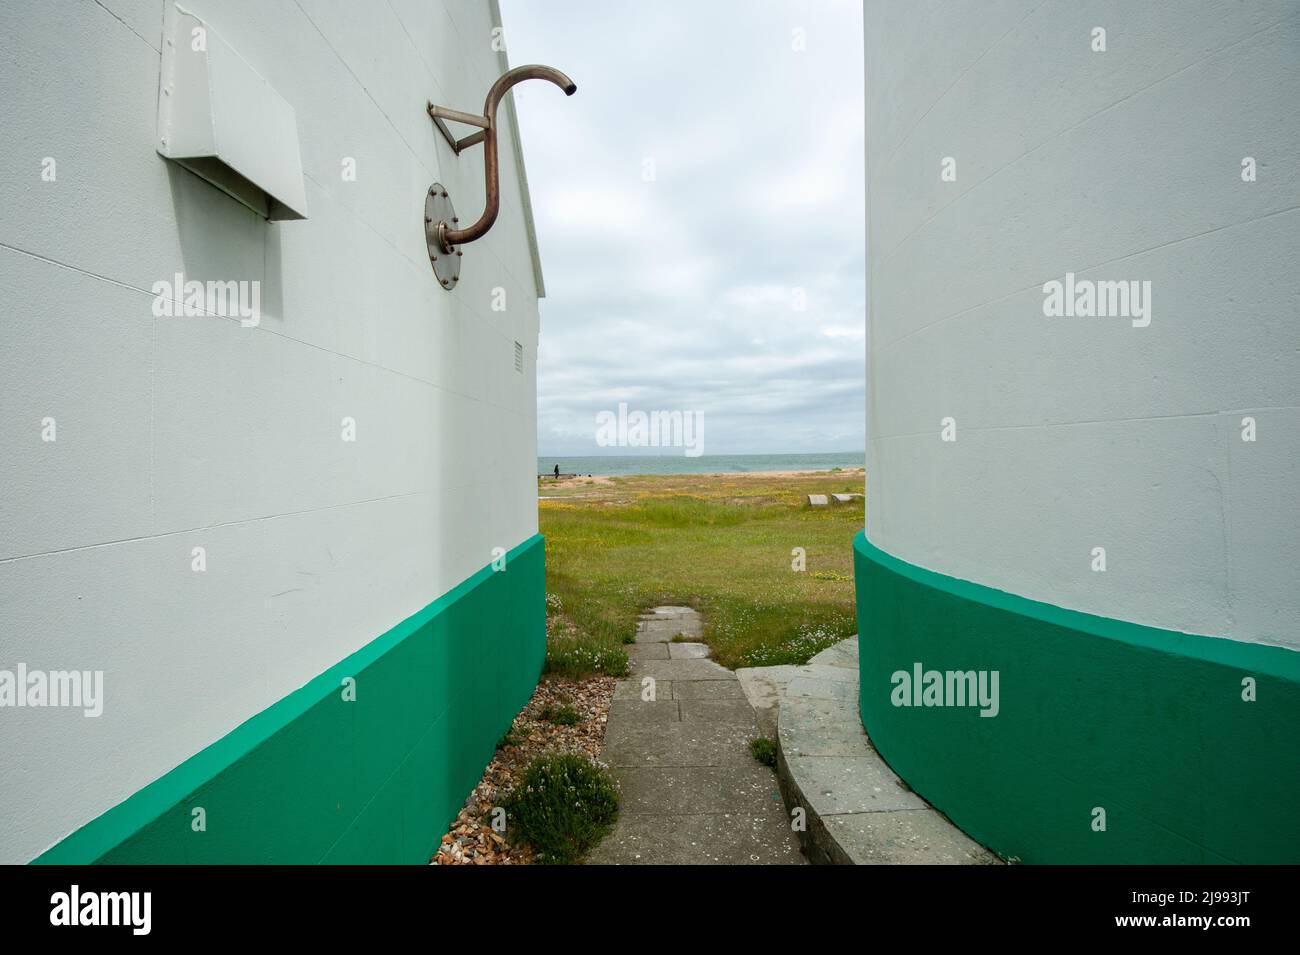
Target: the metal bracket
(441, 232)
(438, 213)
(439, 115)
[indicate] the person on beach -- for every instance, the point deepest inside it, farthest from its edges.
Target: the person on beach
(557, 472)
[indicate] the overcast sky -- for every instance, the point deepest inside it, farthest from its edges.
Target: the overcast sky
(681, 291)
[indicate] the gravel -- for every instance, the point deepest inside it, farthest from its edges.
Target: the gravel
(471, 839)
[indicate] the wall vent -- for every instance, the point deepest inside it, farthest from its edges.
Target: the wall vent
(221, 120)
(519, 358)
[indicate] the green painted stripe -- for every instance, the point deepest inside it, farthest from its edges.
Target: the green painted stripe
(314, 778)
(1148, 724)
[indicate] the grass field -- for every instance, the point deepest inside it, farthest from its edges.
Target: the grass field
(723, 544)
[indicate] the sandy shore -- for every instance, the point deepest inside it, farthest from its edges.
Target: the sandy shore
(780, 474)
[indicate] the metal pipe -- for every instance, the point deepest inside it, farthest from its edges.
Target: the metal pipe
(449, 237)
(443, 112)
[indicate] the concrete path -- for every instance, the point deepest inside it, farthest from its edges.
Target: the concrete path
(678, 742)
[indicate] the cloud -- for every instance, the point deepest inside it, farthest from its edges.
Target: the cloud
(731, 281)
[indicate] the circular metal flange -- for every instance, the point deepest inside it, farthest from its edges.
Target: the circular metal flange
(437, 212)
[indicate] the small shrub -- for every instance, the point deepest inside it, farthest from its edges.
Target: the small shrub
(562, 715)
(553, 604)
(763, 750)
(563, 806)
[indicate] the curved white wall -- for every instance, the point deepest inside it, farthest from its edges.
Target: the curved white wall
(1077, 433)
(175, 433)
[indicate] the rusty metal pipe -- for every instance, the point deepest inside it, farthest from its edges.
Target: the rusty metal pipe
(449, 237)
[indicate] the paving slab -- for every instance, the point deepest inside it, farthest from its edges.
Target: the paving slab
(810, 727)
(687, 651)
(681, 670)
(658, 711)
(766, 683)
(676, 791)
(843, 655)
(648, 651)
(700, 839)
(678, 744)
(717, 711)
(764, 687)
(833, 674)
(835, 784)
(820, 688)
(707, 690)
(670, 624)
(632, 690)
(664, 634)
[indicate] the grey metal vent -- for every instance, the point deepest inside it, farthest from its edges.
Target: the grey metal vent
(223, 122)
(519, 358)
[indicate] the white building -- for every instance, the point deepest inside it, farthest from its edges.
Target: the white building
(1101, 503)
(272, 533)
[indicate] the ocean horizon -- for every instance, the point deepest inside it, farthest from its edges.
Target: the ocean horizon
(623, 465)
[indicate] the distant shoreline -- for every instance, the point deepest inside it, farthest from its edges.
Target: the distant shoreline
(708, 464)
(807, 472)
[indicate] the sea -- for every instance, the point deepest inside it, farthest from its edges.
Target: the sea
(607, 465)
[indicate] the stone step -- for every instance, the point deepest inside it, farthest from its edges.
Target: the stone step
(843, 654)
(859, 812)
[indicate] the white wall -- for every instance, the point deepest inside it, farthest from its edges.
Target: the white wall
(175, 433)
(1075, 433)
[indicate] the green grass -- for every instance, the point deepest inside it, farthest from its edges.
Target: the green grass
(722, 544)
(763, 750)
(562, 806)
(576, 655)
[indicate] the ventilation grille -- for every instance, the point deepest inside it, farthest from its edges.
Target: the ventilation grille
(519, 358)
